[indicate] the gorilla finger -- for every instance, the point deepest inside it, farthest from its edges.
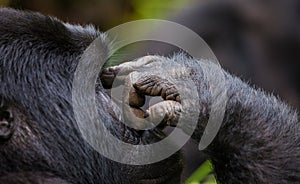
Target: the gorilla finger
(173, 97)
(154, 86)
(116, 75)
(164, 113)
(131, 66)
(135, 99)
(108, 76)
(135, 118)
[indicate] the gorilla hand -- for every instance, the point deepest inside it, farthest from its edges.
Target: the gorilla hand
(259, 134)
(147, 77)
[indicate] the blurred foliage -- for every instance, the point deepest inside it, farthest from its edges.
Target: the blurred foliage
(103, 13)
(203, 175)
(4, 3)
(158, 8)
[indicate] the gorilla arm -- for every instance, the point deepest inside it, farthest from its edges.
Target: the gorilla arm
(259, 139)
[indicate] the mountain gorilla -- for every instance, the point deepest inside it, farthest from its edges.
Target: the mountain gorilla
(40, 140)
(259, 140)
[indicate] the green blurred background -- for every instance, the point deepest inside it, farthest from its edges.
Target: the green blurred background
(103, 13)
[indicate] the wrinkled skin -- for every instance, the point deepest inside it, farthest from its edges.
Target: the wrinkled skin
(259, 140)
(39, 137)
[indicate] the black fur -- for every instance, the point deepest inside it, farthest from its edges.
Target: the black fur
(38, 57)
(259, 139)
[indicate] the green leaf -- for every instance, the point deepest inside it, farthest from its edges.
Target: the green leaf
(202, 175)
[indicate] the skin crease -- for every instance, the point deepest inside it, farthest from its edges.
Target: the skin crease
(259, 139)
(41, 142)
